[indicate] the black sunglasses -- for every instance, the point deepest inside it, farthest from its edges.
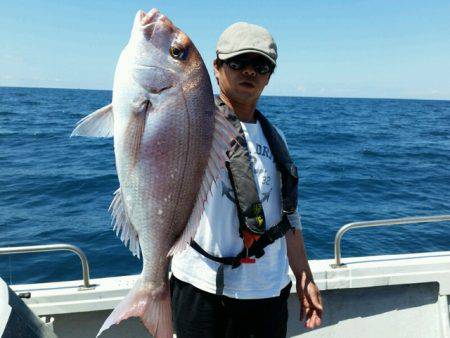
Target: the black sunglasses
(261, 65)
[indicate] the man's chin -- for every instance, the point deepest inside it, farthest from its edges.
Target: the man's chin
(247, 92)
(247, 96)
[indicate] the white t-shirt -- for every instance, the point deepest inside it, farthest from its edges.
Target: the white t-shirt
(218, 233)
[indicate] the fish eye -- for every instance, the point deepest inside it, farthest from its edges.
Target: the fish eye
(178, 52)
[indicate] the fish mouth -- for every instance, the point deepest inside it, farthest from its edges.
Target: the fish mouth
(151, 17)
(150, 20)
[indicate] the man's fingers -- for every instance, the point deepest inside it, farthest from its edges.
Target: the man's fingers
(300, 298)
(313, 321)
(317, 301)
(304, 308)
(311, 308)
(318, 321)
(314, 297)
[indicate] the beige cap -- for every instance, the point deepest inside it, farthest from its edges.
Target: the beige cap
(243, 37)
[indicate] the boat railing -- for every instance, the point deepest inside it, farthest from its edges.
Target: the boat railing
(337, 242)
(54, 247)
(383, 222)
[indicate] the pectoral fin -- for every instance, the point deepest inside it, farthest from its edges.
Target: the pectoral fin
(136, 128)
(98, 124)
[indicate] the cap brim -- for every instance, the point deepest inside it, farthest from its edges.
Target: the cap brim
(226, 56)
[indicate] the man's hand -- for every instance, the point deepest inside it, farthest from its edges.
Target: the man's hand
(310, 301)
(311, 307)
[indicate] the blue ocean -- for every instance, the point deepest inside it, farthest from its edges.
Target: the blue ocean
(358, 159)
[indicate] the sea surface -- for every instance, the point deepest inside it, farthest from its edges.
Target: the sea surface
(358, 159)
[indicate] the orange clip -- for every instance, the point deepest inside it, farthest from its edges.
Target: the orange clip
(249, 238)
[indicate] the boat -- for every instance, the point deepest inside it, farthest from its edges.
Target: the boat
(389, 296)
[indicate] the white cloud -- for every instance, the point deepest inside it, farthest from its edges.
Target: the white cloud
(301, 88)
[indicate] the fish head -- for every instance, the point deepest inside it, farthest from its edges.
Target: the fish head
(160, 56)
(161, 86)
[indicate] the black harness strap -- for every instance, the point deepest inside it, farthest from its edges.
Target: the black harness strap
(257, 248)
(221, 260)
(270, 236)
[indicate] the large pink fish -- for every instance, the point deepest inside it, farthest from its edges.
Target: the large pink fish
(169, 144)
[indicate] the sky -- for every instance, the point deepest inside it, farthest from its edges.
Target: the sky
(334, 48)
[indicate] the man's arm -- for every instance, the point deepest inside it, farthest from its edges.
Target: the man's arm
(308, 293)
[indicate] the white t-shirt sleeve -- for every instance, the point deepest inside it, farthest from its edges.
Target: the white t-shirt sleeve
(295, 221)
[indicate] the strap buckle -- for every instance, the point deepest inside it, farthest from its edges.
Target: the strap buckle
(247, 259)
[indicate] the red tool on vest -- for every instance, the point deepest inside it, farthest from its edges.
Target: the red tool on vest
(248, 238)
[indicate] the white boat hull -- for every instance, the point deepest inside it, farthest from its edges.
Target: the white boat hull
(394, 296)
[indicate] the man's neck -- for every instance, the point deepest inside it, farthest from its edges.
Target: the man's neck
(244, 111)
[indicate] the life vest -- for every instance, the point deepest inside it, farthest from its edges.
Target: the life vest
(249, 207)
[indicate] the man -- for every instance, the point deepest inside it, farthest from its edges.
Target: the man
(229, 284)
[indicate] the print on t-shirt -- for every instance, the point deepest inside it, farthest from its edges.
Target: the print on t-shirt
(263, 151)
(228, 192)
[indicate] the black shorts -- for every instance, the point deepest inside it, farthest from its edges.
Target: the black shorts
(199, 314)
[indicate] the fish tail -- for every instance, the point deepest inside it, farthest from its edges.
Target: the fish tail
(152, 306)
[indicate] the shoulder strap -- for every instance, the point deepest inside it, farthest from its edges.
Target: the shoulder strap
(288, 170)
(240, 170)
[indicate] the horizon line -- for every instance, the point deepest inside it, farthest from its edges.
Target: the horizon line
(298, 96)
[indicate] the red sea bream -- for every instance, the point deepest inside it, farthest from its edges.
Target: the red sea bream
(169, 144)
